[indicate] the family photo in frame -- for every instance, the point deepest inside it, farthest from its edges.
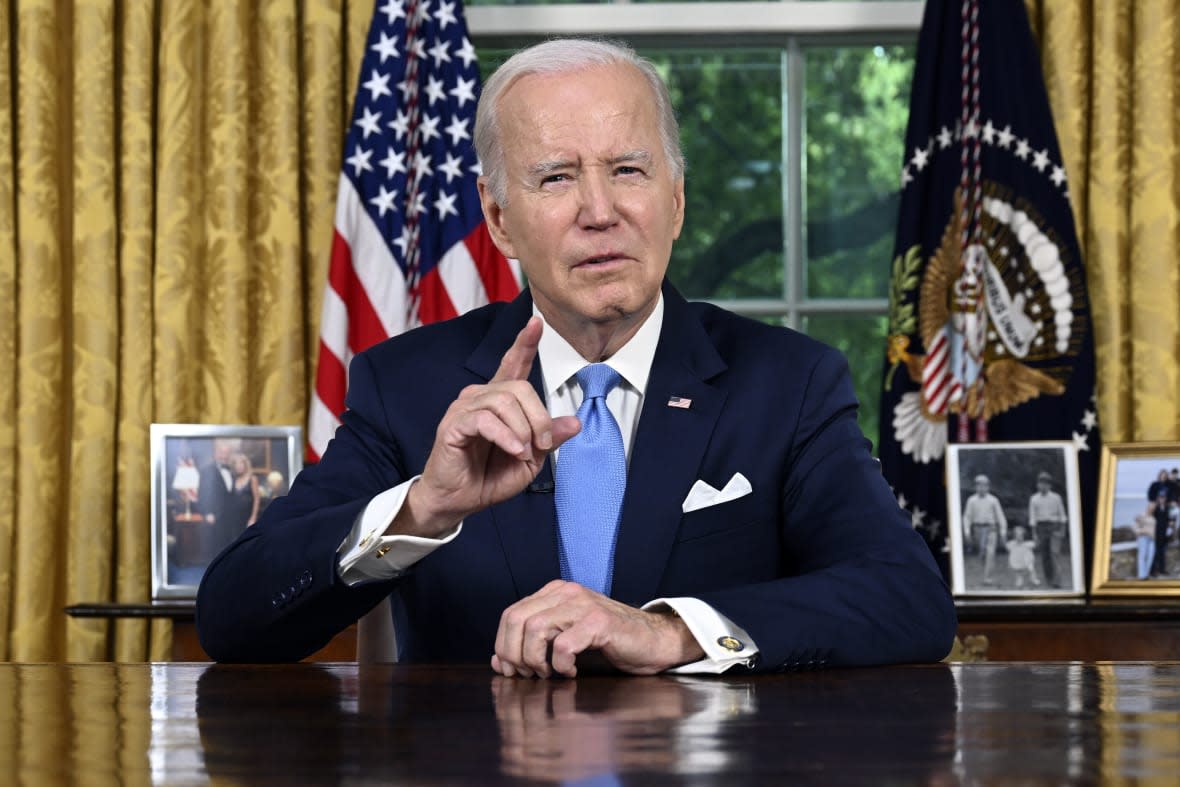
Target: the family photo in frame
(209, 483)
(1015, 520)
(1137, 532)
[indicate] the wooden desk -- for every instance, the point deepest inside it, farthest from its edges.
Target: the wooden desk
(985, 723)
(1100, 630)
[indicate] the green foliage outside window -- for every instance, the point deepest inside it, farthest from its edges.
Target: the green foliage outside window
(856, 110)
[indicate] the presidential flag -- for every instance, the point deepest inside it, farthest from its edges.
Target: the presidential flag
(410, 244)
(989, 326)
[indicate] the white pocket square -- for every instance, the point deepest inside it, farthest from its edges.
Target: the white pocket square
(702, 495)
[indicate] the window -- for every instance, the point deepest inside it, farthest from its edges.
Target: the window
(792, 120)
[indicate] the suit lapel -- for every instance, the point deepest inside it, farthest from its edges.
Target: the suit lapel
(668, 450)
(526, 523)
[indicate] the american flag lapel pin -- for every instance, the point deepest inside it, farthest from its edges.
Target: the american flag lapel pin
(680, 401)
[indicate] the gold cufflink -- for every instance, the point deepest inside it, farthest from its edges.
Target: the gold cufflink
(381, 552)
(730, 643)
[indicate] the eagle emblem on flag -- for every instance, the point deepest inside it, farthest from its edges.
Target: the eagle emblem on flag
(996, 322)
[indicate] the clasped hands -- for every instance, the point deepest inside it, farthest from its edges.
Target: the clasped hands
(489, 446)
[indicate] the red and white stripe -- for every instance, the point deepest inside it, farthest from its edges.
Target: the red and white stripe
(368, 300)
(939, 386)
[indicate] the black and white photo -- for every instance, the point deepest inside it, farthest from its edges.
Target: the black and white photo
(1015, 523)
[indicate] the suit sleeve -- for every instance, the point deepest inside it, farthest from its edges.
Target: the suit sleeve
(274, 594)
(862, 587)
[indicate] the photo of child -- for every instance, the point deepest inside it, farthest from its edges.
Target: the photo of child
(1021, 557)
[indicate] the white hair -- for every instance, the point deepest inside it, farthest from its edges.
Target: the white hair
(561, 56)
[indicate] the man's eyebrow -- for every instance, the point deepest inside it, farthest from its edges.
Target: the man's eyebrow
(543, 168)
(633, 157)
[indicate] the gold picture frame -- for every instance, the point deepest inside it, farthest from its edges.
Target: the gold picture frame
(1124, 564)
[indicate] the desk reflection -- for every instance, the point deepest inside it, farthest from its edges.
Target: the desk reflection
(572, 731)
(436, 726)
(178, 724)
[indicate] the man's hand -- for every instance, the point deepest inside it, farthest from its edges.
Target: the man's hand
(489, 446)
(546, 632)
(546, 737)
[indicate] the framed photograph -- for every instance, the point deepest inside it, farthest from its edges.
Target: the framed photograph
(1136, 547)
(210, 483)
(1015, 520)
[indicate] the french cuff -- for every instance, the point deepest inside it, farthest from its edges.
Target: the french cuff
(366, 555)
(725, 643)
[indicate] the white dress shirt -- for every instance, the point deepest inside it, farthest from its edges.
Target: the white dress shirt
(367, 555)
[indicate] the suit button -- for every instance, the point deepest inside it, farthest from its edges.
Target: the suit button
(305, 580)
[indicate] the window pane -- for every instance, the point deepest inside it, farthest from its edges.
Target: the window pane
(860, 338)
(730, 107)
(857, 102)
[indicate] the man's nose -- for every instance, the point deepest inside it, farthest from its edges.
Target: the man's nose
(597, 208)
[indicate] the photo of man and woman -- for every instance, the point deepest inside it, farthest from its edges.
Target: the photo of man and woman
(211, 484)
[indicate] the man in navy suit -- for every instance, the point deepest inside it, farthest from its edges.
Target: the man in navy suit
(213, 493)
(755, 528)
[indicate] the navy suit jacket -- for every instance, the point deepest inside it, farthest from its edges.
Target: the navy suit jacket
(818, 563)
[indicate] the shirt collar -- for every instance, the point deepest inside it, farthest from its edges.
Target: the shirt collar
(560, 361)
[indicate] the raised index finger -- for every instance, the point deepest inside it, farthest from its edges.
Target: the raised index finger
(518, 361)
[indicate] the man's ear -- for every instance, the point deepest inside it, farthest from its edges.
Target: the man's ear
(678, 206)
(494, 216)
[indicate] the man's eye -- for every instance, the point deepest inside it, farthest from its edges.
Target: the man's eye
(555, 178)
(628, 170)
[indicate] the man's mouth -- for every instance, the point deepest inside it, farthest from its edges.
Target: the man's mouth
(599, 260)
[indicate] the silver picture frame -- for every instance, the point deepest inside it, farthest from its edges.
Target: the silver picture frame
(209, 483)
(1005, 554)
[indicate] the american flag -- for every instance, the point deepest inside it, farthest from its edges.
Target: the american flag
(410, 244)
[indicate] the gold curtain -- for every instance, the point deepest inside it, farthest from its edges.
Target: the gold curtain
(1111, 71)
(168, 177)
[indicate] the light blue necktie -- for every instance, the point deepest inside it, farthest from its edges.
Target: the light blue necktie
(590, 479)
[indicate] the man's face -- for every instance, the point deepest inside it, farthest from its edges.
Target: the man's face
(592, 208)
(981, 487)
(1043, 486)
